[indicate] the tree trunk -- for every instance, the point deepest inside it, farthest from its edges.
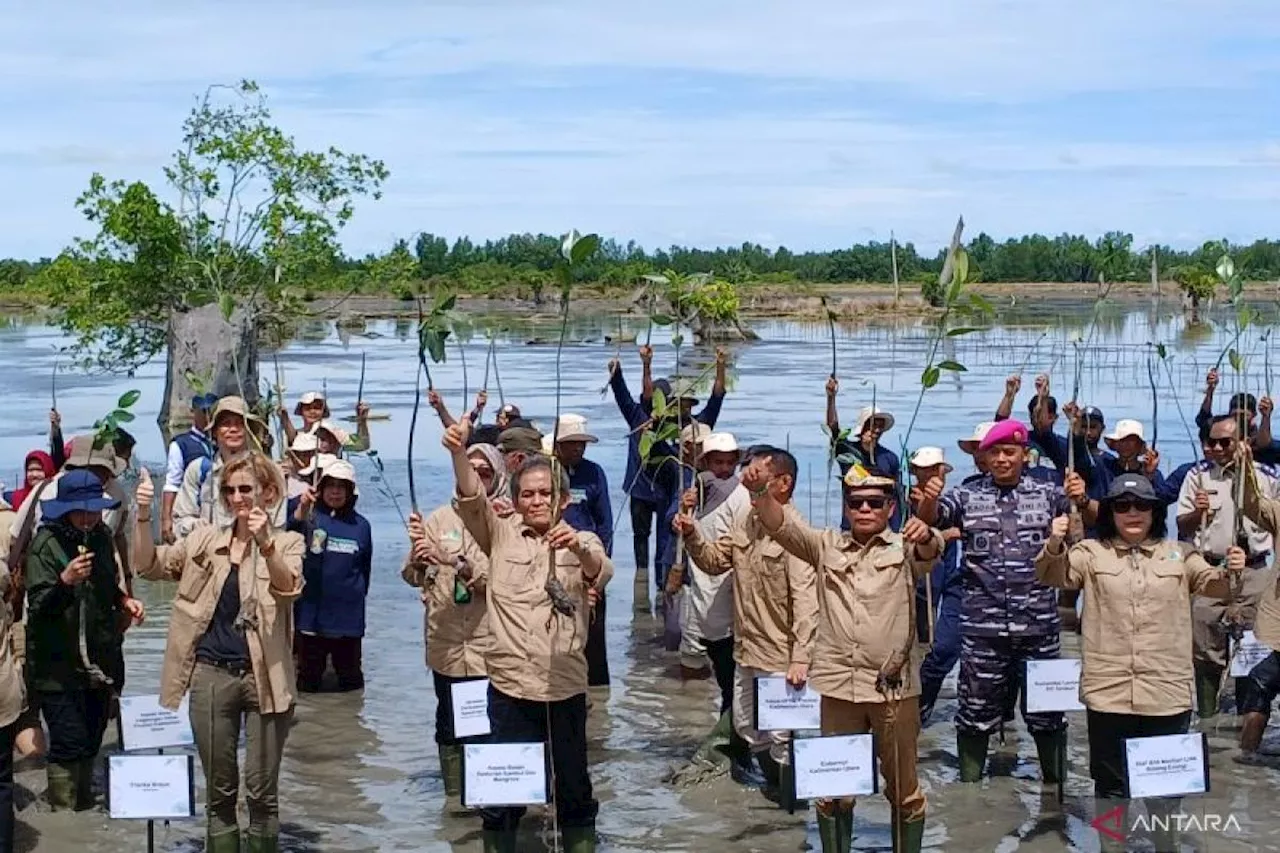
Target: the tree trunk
(206, 348)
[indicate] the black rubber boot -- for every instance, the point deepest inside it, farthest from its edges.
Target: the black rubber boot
(499, 841)
(772, 771)
(1049, 749)
(929, 691)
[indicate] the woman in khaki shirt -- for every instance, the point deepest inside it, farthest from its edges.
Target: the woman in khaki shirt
(230, 642)
(451, 570)
(1136, 671)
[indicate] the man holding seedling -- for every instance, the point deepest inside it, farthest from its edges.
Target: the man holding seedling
(1007, 616)
(1042, 409)
(1255, 413)
(863, 445)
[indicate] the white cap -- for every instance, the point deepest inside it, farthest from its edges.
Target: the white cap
(970, 445)
(304, 442)
(1126, 428)
(310, 397)
(867, 414)
(927, 457)
(339, 470)
(574, 428)
(719, 442)
(320, 461)
(695, 433)
(334, 430)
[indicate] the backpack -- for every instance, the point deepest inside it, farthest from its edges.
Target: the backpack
(206, 465)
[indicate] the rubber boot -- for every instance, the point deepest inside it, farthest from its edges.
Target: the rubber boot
(223, 842)
(84, 785)
(499, 841)
(972, 751)
(1207, 692)
(772, 771)
(62, 780)
(451, 770)
(907, 837)
(259, 843)
(929, 691)
(1165, 835)
(829, 832)
(1049, 750)
(1111, 820)
(579, 839)
(787, 788)
(1251, 731)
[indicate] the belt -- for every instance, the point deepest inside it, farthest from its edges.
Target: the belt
(236, 668)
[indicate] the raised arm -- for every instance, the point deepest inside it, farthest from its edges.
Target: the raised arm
(286, 423)
(1059, 567)
(631, 411)
(1004, 409)
(833, 417)
(646, 376)
(473, 504)
(437, 402)
(57, 446)
(361, 441)
(1262, 438)
(1205, 416)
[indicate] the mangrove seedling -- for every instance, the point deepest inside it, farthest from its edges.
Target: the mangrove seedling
(107, 429)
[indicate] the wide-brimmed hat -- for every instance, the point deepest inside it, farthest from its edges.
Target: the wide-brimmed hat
(574, 428)
(233, 406)
(77, 490)
(339, 434)
(82, 454)
(307, 399)
(338, 469)
(868, 414)
(1005, 432)
(970, 445)
(664, 386)
(695, 432)
(719, 442)
(520, 440)
(204, 402)
(1126, 428)
(305, 442)
(1133, 485)
(927, 457)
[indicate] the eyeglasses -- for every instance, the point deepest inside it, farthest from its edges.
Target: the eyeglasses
(859, 501)
(1219, 443)
(1123, 505)
(247, 489)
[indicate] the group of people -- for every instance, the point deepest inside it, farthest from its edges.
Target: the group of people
(272, 565)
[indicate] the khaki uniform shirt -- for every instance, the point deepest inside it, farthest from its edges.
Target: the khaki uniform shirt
(1265, 511)
(197, 502)
(1136, 620)
(12, 685)
(866, 609)
(200, 563)
(775, 606)
(536, 653)
(1218, 533)
(456, 635)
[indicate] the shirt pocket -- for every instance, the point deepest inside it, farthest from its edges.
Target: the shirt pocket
(881, 573)
(1167, 579)
(517, 576)
(772, 560)
(195, 577)
(982, 537)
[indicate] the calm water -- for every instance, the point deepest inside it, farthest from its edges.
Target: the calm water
(360, 771)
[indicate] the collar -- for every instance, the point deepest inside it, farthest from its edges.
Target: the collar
(884, 537)
(199, 433)
(1147, 546)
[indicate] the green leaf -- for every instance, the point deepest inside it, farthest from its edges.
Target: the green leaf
(227, 305)
(122, 416)
(846, 459)
(1236, 361)
(658, 404)
(1226, 268)
(677, 340)
(953, 366)
(446, 303)
(584, 248)
(1160, 350)
(930, 376)
(647, 439)
(566, 245)
(661, 319)
(963, 330)
(128, 398)
(669, 432)
(1244, 317)
(981, 304)
(434, 340)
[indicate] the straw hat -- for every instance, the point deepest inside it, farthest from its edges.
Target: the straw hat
(695, 433)
(869, 413)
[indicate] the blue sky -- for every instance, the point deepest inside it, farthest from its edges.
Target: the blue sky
(809, 124)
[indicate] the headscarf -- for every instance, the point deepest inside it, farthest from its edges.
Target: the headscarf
(714, 491)
(46, 464)
(491, 454)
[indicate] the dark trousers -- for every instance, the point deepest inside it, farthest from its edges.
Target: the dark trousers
(992, 673)
(314, 653)
(721, 654)
(1107, 734)
(514, 720)
(77, 720)
(6, 786)
(596, 650)
(942, 658)
(444, 709)
(1260, 687)
(641, 527)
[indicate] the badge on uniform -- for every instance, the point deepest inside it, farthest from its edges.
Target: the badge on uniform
(318, 539)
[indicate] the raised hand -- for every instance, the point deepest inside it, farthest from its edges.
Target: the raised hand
(455, 437)
(1059, 528)
(1013, 385)
(916, 531)
(833, 386)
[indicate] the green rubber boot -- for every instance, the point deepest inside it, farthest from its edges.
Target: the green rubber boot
(258, 843)
(1049, 749)
(844, 829)
(579, 839)
(907, 837)
(223, 842)
(499, 841)
(451, 770)
(62, 779)
(829, 832)
(1207, 692)
(972, 751)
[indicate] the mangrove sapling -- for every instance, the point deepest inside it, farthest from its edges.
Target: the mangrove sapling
(433, 332)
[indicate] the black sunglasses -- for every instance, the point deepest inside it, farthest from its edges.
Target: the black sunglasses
(231, 490)
(859, 501)
(1220, 443)
(1130, 505)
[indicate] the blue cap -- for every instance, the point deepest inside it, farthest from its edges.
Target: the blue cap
(1092, 414)
(79, 489)
(204, 402)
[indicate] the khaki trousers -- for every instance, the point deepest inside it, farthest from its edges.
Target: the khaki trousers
(744, 717)
(1209, 639)
(219, 699)
(896, 726)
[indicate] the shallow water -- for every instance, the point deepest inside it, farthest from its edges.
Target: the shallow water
(360, 770)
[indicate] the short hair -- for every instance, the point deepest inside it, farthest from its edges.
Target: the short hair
(263, 471)
(1106, 524)
(1226, 419)
(1242, 401)
(538, 462)
(123, 442)
(783, 462)
(1049, 403)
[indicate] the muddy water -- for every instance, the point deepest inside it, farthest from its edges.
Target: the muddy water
(360, 770)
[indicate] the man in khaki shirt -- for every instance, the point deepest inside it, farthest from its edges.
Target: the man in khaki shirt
(775, 611)
(1257, 692)
(541, 572)
(866, 660)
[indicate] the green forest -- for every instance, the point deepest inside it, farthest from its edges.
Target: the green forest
(526, 261)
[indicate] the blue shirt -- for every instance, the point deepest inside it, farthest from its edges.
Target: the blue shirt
(589, 509)
(336, 567)
(672, 488)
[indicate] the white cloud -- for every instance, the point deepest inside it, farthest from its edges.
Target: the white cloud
(105, 86)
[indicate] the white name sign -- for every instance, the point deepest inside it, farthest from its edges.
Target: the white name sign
(1250, 654)
(151, 787)
(470, 707)
(145, 725)
(504, 774)
(1167, 765)
(834, 766)
(781, 707)
(1053, 685)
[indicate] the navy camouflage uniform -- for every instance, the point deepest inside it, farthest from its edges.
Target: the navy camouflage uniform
(1007, 616)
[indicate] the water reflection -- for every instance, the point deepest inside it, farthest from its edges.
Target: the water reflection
(360, 770)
